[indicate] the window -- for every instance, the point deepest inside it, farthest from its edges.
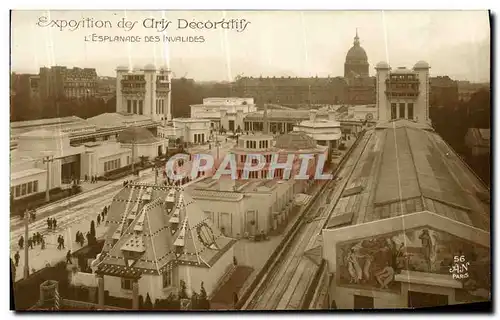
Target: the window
(129, 106)
(30, 187)
(363, 302)
(135, 106)
(167, 278)
(23, 189)
(402, 110)
(410, 111)
(140, 106)
(393, 111)
(35, 186)
(126, 284)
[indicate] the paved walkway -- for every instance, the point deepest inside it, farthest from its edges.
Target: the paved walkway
(72, 215)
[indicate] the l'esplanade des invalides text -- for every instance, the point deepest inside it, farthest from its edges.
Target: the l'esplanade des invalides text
(160, 25)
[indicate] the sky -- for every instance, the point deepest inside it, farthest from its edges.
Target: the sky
(274, 43)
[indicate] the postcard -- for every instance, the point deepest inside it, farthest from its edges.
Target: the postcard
(250, 160)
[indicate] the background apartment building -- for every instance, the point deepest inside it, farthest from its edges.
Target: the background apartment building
(60, 81)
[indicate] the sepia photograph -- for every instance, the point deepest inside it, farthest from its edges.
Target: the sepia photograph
(250, 160)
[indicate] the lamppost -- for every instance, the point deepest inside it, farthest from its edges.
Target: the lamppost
(26, 255)
(48, 160)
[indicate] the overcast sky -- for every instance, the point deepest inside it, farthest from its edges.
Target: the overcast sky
(281, 43)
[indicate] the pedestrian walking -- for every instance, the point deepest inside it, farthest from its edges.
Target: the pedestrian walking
(16, 258)
(48, 223)
(98, 219)
(43, 243)
(21, 242)
(30, 243)
(68, 257)
(54, 223)
(59, 245)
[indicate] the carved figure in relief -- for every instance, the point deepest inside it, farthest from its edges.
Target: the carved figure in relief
(427, 247)
(354, 267)
(385, 276)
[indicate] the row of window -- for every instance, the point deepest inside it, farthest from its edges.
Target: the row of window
(70, 83)
(135, 106)
(199, 138)
(112, 165)
(134, 77)
(267, 158)
(160, 106)
(24, 189)
(263, 174)
(403, 77)
(413, 86)
(405, 111)
(133, 86)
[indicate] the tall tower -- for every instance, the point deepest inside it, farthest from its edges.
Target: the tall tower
(120, 105)
(381, 99)
(150, 92)
(356, 60)
(422, 102)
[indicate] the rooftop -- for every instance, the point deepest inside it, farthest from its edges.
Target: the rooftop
(295, 140)
(277, 114)
(136, 135)
(403, 167)
(116, 119)
(150, 229)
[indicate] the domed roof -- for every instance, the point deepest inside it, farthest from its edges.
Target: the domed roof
(382, 65)
(121, 68)
(136, 135)
(150, 67)
(295, 140)
(421, 65)
(356, 53)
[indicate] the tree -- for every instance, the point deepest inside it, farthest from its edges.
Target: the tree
(182, 290)
(141, 302)
(147, 303)
(92, 228)
(194, 301)
(203, 302)
(91, 236)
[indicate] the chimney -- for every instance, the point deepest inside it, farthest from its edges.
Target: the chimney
(49, 295)
(331, 115)
(312, 115)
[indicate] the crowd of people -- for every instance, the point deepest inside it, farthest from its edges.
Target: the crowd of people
(91, 179)
(38, 239)
(51, 223)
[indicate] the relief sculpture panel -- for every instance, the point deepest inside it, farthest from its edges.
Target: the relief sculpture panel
(374, 262)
